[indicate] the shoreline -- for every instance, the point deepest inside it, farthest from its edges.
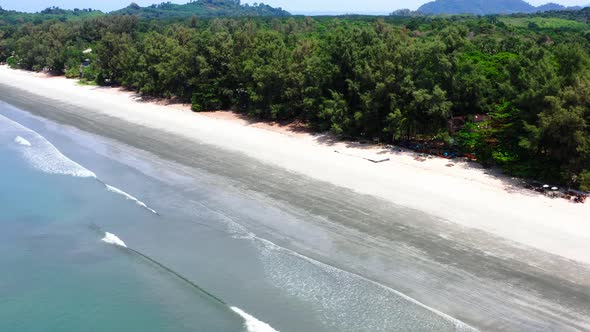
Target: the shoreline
(486, 281)
(465, 194)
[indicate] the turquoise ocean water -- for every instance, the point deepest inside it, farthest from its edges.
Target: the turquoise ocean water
(190, 265)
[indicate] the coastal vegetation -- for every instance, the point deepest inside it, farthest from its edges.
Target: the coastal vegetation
(512, 91)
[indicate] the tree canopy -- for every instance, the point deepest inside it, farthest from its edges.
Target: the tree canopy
(520, 95)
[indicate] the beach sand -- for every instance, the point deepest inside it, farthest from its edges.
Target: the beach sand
(465, 194)
(463, 240)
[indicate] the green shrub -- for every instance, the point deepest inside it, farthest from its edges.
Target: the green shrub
(12, 62)
(336, 129)
(72, 72)
(89, 73)
(195, 104)
(584, 180)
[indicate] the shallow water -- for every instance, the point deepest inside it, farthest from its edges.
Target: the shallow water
(188, 246)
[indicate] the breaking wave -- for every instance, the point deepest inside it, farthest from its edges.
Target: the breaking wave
(369, 305)
(111, 238)
(22, 141)
(129, 197)
(251, 323)
(38, 152)
(44, 156)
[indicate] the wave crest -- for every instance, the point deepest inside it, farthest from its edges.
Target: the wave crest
(111, 238)
(22, 141)
(40, 153)
(129, 197)
(44, 156)
(252, 323)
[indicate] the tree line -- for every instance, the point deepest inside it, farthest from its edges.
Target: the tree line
(521, 95)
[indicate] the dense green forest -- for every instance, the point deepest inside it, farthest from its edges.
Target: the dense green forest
(513, 91)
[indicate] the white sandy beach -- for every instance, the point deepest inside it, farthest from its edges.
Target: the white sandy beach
(464, 194)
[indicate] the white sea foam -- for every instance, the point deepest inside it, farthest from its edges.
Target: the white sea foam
(251, 323)
(113, 239)
(371, 305)
(238, 231)
(22, 141)
(367, 304)
(40, 153)
(129, 197)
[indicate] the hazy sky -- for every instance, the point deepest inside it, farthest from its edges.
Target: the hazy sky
(295, 6)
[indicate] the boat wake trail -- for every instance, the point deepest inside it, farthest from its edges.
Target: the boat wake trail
(251, 323)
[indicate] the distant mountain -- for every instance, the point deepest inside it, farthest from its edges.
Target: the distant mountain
(550, 6)
(555, 6)
(201, 8)
(477, 7)
(486, 7)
